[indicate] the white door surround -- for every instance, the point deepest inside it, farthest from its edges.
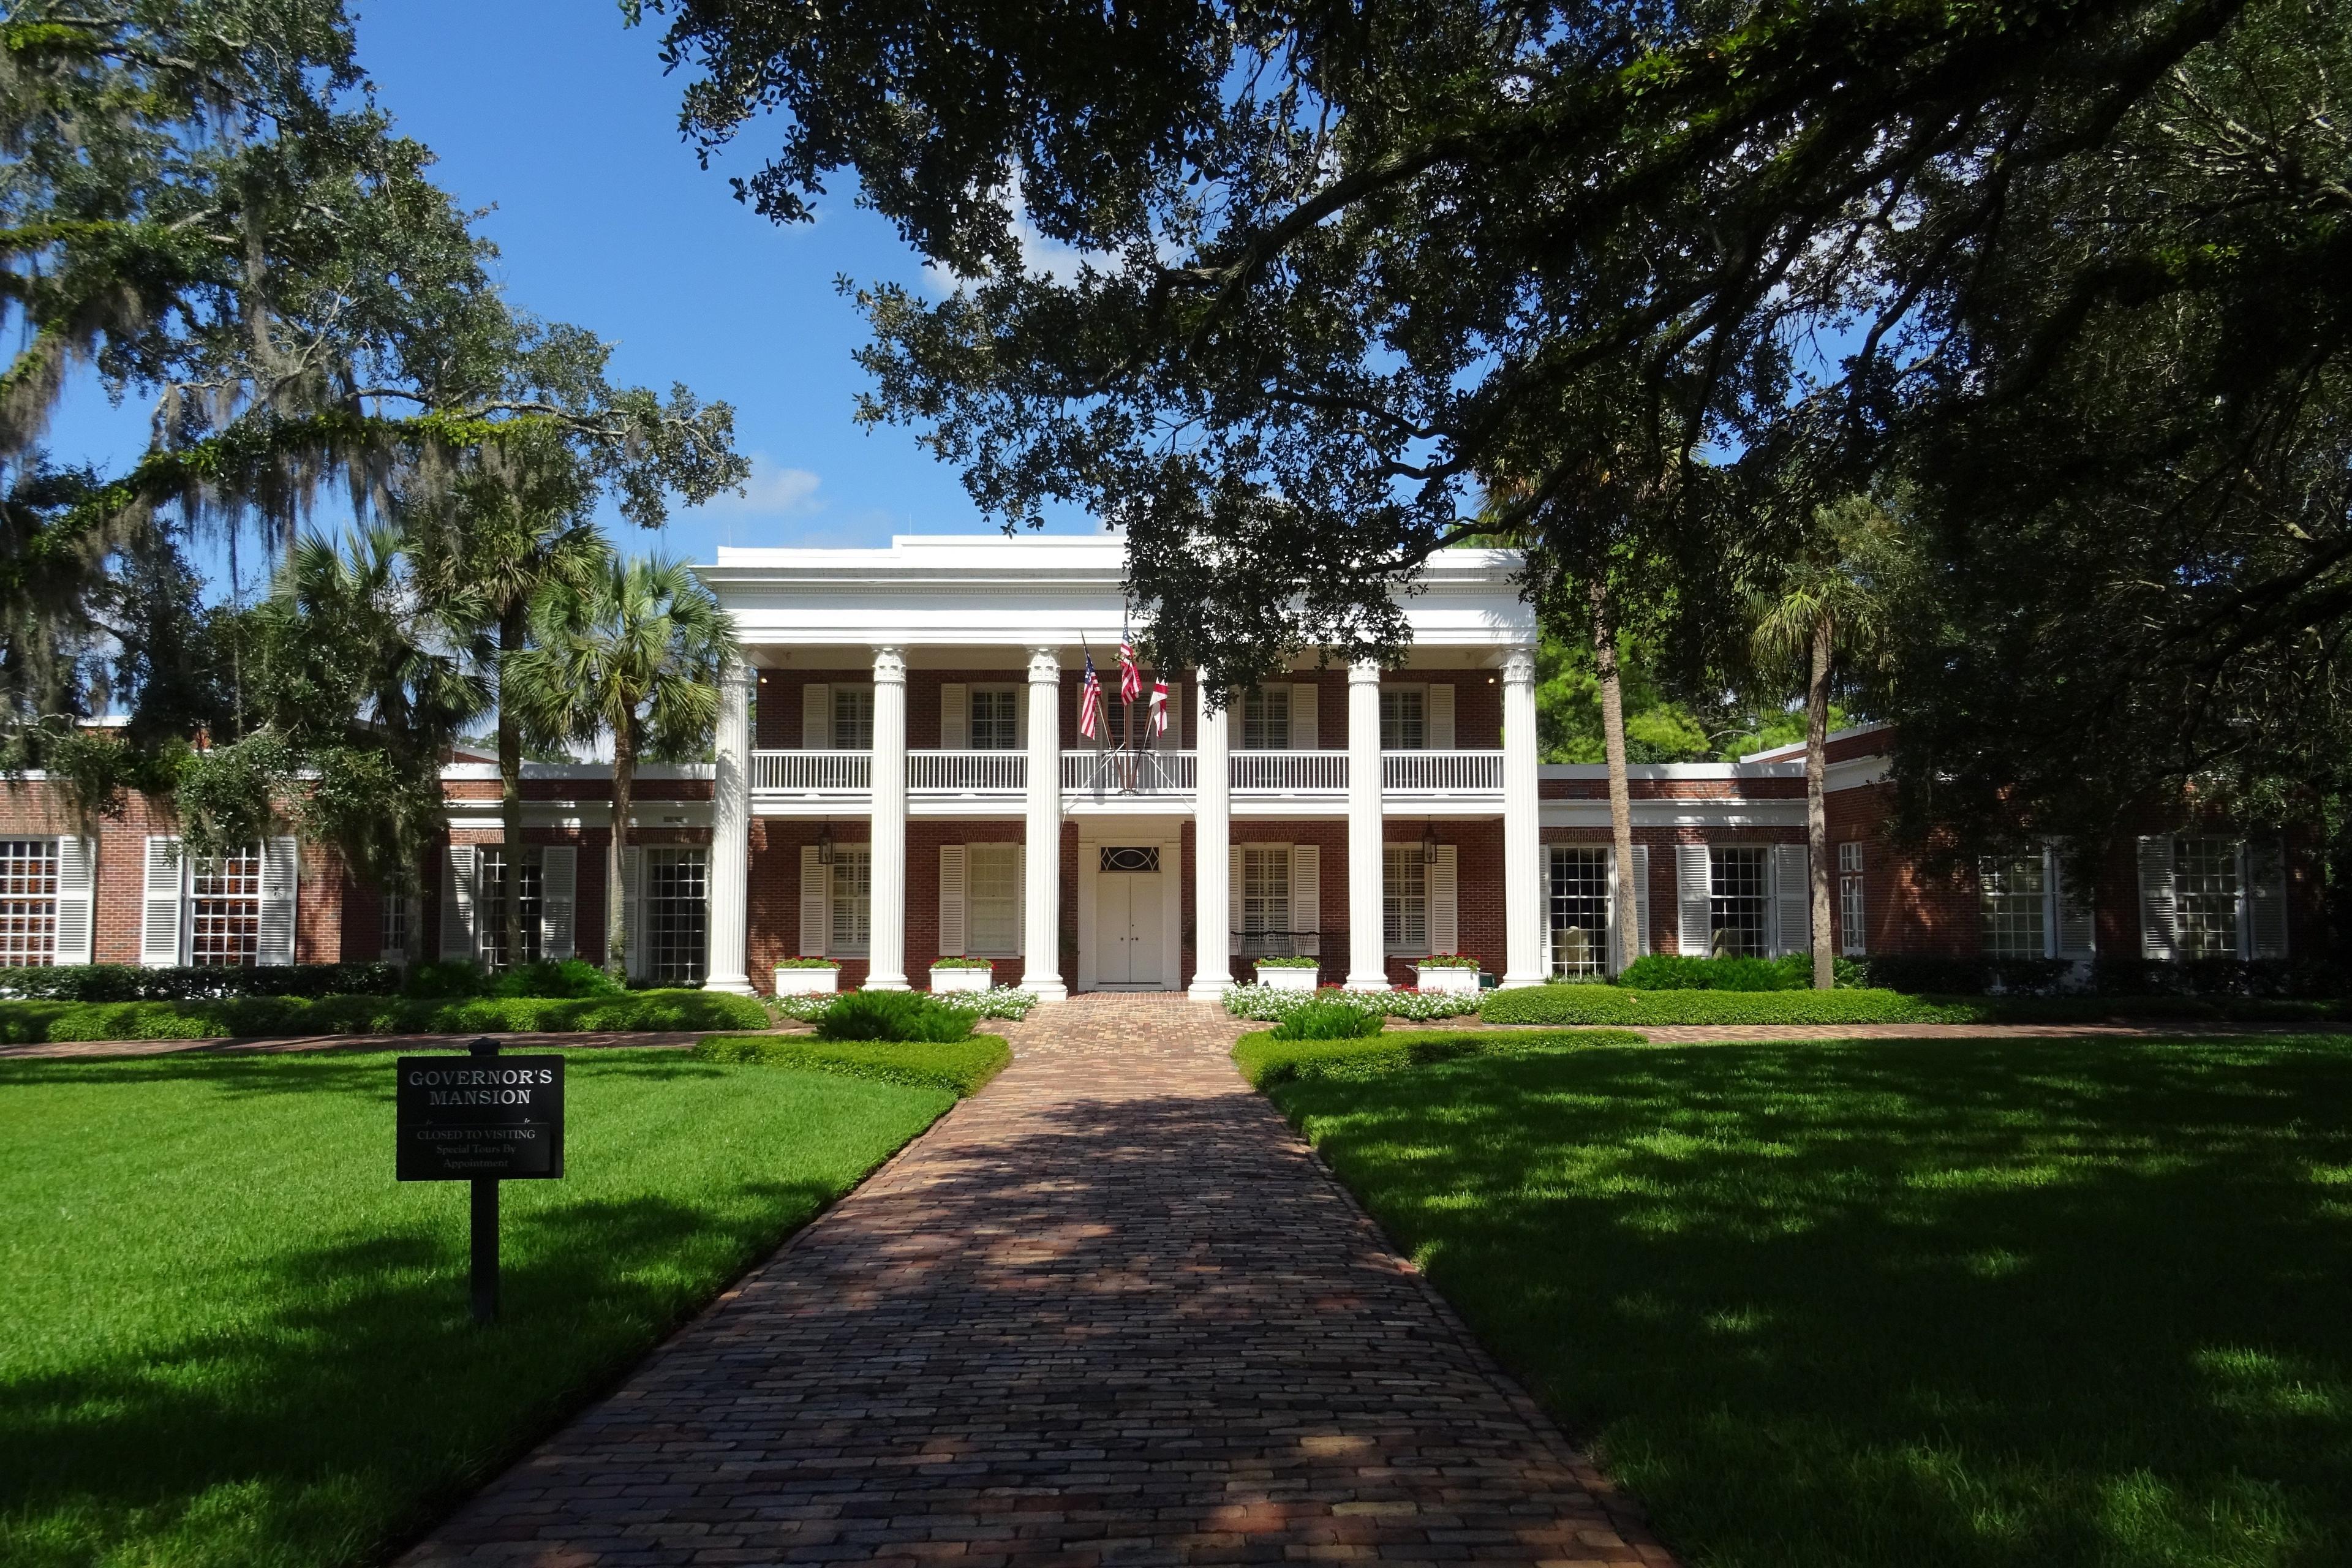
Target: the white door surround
(1145, 952)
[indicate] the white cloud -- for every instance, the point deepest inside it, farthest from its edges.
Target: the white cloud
(1040, 256)
(770, 492)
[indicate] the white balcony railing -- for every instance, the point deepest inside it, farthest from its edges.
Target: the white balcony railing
(1289, 772)
(1101, 774)
(813, 773)
(967, 772)
(1442, 773)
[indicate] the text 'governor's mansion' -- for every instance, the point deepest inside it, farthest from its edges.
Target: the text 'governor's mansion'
(901, 778)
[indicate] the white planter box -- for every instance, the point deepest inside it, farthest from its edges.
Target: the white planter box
(1445, 979)
(823, 982)
(1287, 977)
(962, 979)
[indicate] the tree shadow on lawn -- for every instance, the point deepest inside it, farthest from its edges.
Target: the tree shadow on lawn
(1964, 1303)
(359, 1402)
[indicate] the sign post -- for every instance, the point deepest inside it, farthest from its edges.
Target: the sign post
(481, 1117)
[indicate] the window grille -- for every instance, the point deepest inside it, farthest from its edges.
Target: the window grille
(2011, 889)
(1265, 900)
(853, 899)
(224, 910)
(394, 911)
(996, 719)
(853, 718)
(677, 913)
(1854, 929)
(1580, 910)
(1140, 857)
(1739, 902)
(992, 900)
(29, 902)
(2205, 896)
(1404, 718)
(1265, 719)
(1404, 899)
(493, 863)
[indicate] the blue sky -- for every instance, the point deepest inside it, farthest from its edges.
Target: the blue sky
(550, 110)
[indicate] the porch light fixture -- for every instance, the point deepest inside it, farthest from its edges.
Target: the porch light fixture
(824, 843)
(1429, 843)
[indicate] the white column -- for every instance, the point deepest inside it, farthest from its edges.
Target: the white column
(1041, 892)
(731, 837)
(1212, 832)
(1523, 895)
(1367, 949)
(885, 963)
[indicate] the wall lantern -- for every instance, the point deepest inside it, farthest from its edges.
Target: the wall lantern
(824, 843)
(1429, 843)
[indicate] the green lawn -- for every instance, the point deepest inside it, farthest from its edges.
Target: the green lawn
(1903, 1304)
(231, 1338)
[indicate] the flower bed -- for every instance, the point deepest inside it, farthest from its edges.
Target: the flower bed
(1272, 1004)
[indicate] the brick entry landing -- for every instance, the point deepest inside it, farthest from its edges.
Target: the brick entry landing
(1110, 1311)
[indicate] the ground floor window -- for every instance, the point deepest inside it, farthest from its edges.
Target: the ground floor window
(496, 863)
(2012, 892)
(2205, 896)
(29, 902)
(677, 915)
(853, 900)
(224, 910)
(1580, 910)
(1266, 901)
(1739, 902)
(1404, 899)
(1854, 929)
(992, 900)
(395, 925)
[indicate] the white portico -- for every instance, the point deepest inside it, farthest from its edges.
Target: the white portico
(916, 744)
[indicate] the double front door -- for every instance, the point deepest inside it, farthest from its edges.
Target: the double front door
(1129, 928)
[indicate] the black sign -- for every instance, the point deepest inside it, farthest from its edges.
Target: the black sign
(476, 1118)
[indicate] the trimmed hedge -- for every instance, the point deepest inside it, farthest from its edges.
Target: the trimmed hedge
(37, 1023)
(960, 1066)
(1621, 1005)
(1264, 1060)
(132, 982)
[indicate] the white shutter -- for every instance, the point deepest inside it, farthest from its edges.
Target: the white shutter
(1306, 896)
(1304, 734)
(1445, 902)
(955, 721)
(2077, 923)
(1179, 711)
(816, 903)
(457, 938)
(279, 861)
(1694, 932)
(558, 883)
(1021, 915)
(1021, 717)
(1440, 715)
(633, 911)
(159, 923)
(77, 867)
(2266, 898)
(1233, 901)
(817, 717)
(1638, 884)
(1793, 896)
(951, 900)
(2159, 932)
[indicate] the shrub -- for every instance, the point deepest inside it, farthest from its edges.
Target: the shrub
(806, 963)
(1668, 971)
(1623, 1006)
(891, 1016)
(1294, 961)
(1321, 1020)
(1446, 960)
(1271, 1005)
(996, 1002)
(568, 977)
(961, 963)
(132, 983)
(448, 977)
(959, 1066)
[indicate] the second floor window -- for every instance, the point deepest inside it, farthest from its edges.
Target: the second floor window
(1265, 719)
(1404, 718)
(853, 718)
(996, 719)
(1739, 902)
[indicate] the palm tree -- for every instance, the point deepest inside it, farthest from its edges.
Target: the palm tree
(1828, 616)
(1613, 743)
(634, 653)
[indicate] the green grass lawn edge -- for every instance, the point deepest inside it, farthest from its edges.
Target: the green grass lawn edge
(1556, 1004)
(1265, 1061)
(962, 1067)
(227, 1017)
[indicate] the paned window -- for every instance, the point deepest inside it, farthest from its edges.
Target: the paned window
(992, 900)
(1404, 899)
(2205, 896)
(995, 718)
(853, 899)
(1580, 910)
(2012, 890)
(1404, 718)
(396, 923)
(29, 902)
(1739, 902)
(491, 909)
(677, 914)
(1265, 900)
(1265, 719)
(224, 910)
(1853, 930)
(853, 718)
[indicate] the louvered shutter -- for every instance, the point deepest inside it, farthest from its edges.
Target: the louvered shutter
(1306, 896)
(955, 720)
(633, 911)
(1305, 731)
(1793, 896)
(159, 909)
(457, 935)
(559, 885)
(817, 717)
(2266, 898)
(816, 903)
(77, 868)
(280, 862)
(1695, 929)
(2159, 931)
(1233, 901)
(951, 900)
(1440, 714)
(1445, 902)
(1638, 884)
(2075, 923)
(1021, 915)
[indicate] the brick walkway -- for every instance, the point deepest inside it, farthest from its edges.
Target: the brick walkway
(1110, 1311)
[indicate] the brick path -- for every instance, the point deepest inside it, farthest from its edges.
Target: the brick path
(1110, 1311)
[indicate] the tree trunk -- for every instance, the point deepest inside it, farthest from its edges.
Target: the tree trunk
(1621, 800)
(511, 640)
(616, 917)
(1817, 822)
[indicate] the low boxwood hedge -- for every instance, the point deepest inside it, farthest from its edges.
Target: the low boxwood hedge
(960, 1066)
(1622, 1006)
(1264, 1060)
(37, 1023)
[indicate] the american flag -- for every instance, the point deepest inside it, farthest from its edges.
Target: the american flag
(1130, 677)
(1090, 702)
(1160, 706)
